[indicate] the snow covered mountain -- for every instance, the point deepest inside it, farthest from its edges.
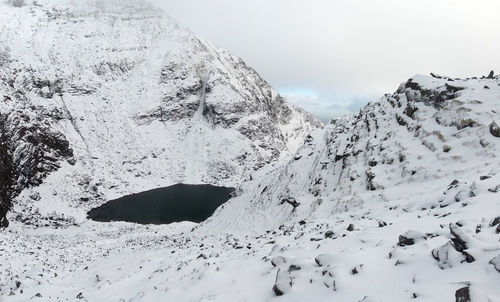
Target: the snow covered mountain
(407, 189)
(429, 133)
(399, 203)
(105, 98)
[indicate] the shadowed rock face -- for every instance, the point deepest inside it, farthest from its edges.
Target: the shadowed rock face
(6, 176)
(29, 151)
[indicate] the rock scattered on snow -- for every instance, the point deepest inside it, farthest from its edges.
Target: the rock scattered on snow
(410, 237)
(494, 129)
(496, 263)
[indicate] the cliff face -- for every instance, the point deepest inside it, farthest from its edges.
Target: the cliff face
(133, 100)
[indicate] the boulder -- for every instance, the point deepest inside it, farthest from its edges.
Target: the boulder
(410, 237)
(496, 263)
(463, 295)
(471, 294)
(278, 261)
(447, 256)
(494, 129)
(495, 221)
(283, 283)
(329, 234)
(461, 240)
(324, 259)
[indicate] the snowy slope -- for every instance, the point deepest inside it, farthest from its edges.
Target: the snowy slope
(140, 101)
(399, 203)
(429, 133)
(103, 98)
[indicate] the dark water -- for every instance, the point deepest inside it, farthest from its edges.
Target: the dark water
(165, 205)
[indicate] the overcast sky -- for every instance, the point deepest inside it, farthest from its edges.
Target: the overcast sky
(332, 56)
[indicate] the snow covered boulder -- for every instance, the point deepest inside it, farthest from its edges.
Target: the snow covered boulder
(283, 283)
(461, 240)
(470, 294)
(324, 259)
(410, 238)
(496, 263)
(447, 256)
(278, 261)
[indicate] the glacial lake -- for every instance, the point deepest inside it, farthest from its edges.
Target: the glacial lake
(175, 203)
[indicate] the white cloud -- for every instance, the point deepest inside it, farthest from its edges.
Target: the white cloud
(349, 47)
(325, 105)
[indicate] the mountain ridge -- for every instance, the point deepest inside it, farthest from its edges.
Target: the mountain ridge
(122, 85)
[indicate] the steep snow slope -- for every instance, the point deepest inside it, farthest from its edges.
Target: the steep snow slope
(429, 133)
(136, 101)
(399, 203)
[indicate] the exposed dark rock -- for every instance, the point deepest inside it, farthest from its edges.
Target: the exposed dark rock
(468, 257)
(202, 256)
(6, 176)
(463, 295)
(494, 129)
(293, 268)
(453, 184)
(370, 184)
(401, 121)
(350, 228)
(29, 151)
(491, 75)
(291, 201)
(410, 111)
(357, 269)
(459, 239)
(410, 237)
(329, 234)
(495, 221)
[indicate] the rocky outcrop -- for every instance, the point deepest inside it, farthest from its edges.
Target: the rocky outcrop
(29, 149)
(425, 130)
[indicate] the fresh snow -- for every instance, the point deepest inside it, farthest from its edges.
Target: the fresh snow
(398, 203)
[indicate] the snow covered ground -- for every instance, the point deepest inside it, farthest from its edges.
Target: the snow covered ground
(416, 238)
(399, 203)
